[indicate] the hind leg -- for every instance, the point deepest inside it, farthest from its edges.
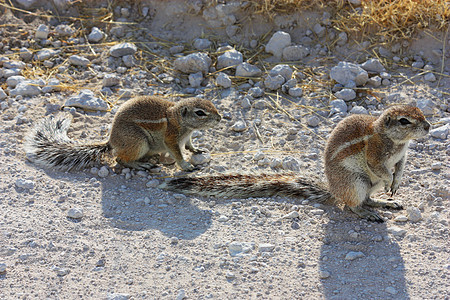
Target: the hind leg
(131, 148)
(353, 192)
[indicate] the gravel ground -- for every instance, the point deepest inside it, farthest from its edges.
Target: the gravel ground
(110, 233)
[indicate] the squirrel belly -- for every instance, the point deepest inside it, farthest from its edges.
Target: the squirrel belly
(48, 145)
(249, 185)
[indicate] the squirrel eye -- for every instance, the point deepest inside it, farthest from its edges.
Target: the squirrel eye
(404, 121)
(200, 113)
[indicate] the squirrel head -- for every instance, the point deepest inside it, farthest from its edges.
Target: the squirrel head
(198, 113)
(402, 123)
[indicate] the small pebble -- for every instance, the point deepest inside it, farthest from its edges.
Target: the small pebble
(324, 274)
(354, 255)
(75, 213)
(103, 172)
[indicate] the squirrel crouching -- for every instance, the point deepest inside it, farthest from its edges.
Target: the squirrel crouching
(363, 154)
(142, 127)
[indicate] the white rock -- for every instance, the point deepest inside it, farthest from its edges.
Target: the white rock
(202, 44)
(128, 60)
(25, 184)
(290, 163)
(223, 80)
(277, 43)
(41, 32)
(86, 100)
(313, 121)
(414, 214)
(75, 213)
(440, 132)
(352, 255)
(347, 74)
(152, 183)
(46, 54)
(77, 60)
(195, 79)
(342, 39)
(103, 172)
(110, 80)
(3, 95)
(193, 63)
(52, 85)
(181, 295)
(391, 290)
(296, 92)
(96, 35)
(231, 58)
(295, 53)
(429, 77)
(291, 215)
(317, 212)
(117, 296)
(274, 82)
(247, 70)
(64, 30)
(25, 88)
(256, 92)
(265, 247)
(338, 106)
(2, 268)
(373, 65)
(123, 49)
(13, 81)
(375, 81)
(346, 94)
(200, 159)
(25, 54)
(235, 248)
(319, 30)
(324, 274)
(401, 218)
(358, 110)
(396, 231)
(223, 218)
(239, 126)
(14, 64)
(283, 70)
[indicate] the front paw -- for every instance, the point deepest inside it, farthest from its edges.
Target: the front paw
(394, 187)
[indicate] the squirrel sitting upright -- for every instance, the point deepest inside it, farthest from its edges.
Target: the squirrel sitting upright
(142, 127)
(363, 154)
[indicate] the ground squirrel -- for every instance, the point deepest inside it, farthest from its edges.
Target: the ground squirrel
(142, 127)
(363, 154)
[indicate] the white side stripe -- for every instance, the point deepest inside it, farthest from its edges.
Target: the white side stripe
(162, 120)
(348, 144)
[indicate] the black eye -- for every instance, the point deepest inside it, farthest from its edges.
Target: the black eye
(404, 121)
(200, 113)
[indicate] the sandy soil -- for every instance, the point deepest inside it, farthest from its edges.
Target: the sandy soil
(140, 242)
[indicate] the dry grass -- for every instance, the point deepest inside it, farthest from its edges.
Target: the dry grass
(388, 19)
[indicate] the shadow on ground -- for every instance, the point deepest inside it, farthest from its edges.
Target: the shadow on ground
(379, 274)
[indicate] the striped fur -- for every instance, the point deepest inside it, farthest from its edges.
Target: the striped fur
(248, 185)
(48, 145)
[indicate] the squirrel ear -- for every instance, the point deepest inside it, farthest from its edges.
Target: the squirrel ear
(184, 111)
(388, 121)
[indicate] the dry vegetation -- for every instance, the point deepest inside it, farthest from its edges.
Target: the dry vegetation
(388, 19)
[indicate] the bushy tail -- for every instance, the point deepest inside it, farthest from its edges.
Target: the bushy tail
(48, 145)
(250, 185)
